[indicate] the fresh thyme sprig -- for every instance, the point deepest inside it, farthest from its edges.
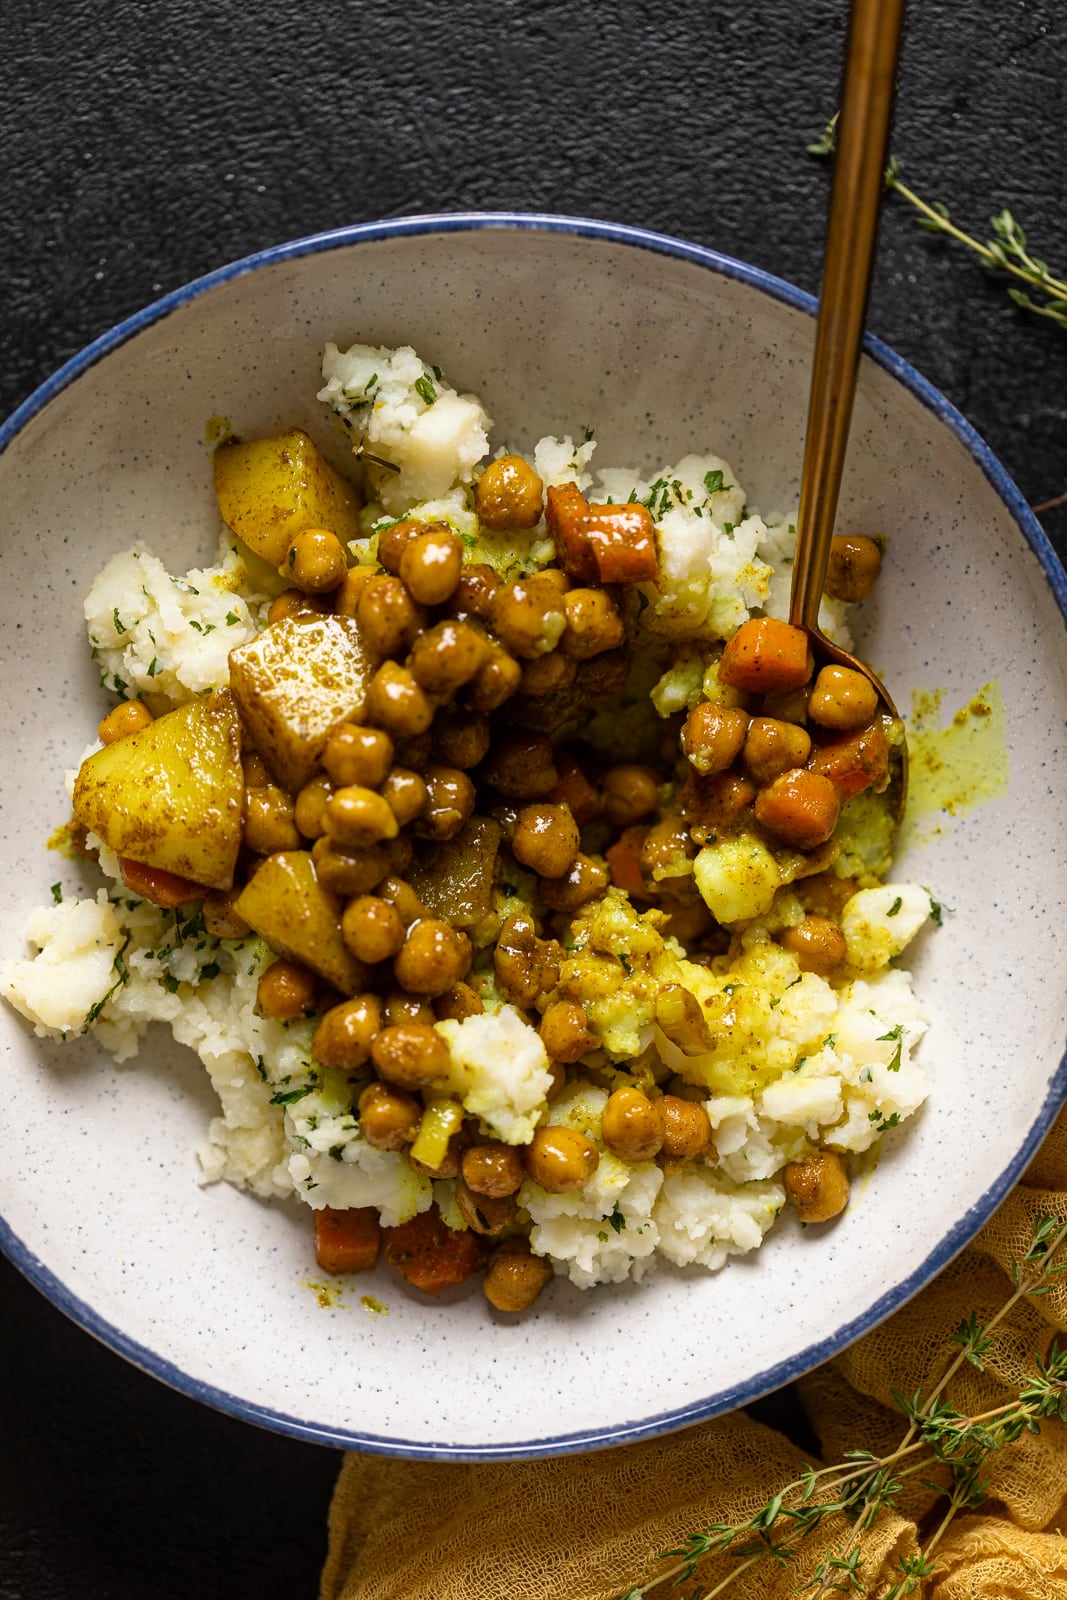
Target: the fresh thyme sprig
(864, 1485)
(1006, 251)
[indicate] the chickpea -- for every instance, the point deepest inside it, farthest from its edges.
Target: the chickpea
(800, 807)
(521, 766)
(399, 852)
(842, 699)
(789, 705)
(686, 1129)
(461, 738)
(475, 590)
(527, 616)
(817, 943)
(772, 747)
(713, 736)
(593, 624)
(410, 1055)
(509, 494)
(585, 881)
(496, 680)
(315, 561)
(295, 603)
(405, 794)
(493, 1169)
(358, 756)
(449, 803)
(485, 1214)
(448, 655)
(402, 895)
(548, 674)
(401, 1007)
(818, 1186)
(269, 824)
(825, 894)
(631, 793)
(348, 872)
(356, 817)
(255, 770)
(310, 808)
(285, 991)
(560, 1159)
(666, 848)
(710, 803)
(414, 751)
(430, 565)
(630, 1127)
(344, 1036)
(432, 958)
(515, 1276)
(458, 1002)
(387, 615)
(221, 917)
(525, 966)
(393, 540)
(397, 703)
(372, 929)
(546, 839)
(346, 599)
(855, 562)
(687, 921)
(388, 1118)
(129, 717)
(565, 1031)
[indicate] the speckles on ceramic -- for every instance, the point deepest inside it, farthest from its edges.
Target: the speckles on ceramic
(662, 348)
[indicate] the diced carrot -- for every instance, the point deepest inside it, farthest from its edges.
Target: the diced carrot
(623, 542)
(624, 864)
(574, 790)
(348, 1240)
(566, 511)
(766, 656)
(800, 807)
(855, 762)
(164, 889)
(429, 1254)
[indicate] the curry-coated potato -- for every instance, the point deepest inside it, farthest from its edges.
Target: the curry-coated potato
(171, 794)
(296, 682)
(268, 490)
(286, 905)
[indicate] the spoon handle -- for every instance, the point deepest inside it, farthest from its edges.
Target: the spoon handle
(862, 146)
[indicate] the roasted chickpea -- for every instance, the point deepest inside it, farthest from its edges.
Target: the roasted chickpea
(348, 872)
(399, 852)
(484, 1214)
(430, 565)
(393, 540)
(401, 1007)
(593, 624)
(560, 1159)
(631, 793)
(448, 655)
(414, 751)
(474, 593)
(800, 807)
(388, 1117)
(515, 1276)
(315, 561)
(548, 674)
(295, 603)
(497, 679)
(585, 880)
(449, 803)
(546, 839)
(403, 896)
(285, 991)
(818, 1186)
(387, 615)
(666, 849)
(461, 738)
(685, 1127)
(405, 793)
(344, 1036)
(432, 958)
(854, 565)
(772, 746)
(397, 703)
(269, 823)
(358, 756)
(710, 803)
(565, 1031)
(221, 917)
(410, 1055)
(817, 943)
(509, 494)
(713, 736)
(630, 1127)
(310, 807)
(527, 616)
(842, 699)
(356, 817)
(346, 598)
(521, 766)
(791, 705)
(494, 1168)
(526, 967)
(458, 1002)
(129, 717)
(372, 929)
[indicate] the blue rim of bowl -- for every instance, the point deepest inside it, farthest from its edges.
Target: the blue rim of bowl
(778, 1374)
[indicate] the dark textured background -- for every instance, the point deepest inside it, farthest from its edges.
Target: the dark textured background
(145, 143)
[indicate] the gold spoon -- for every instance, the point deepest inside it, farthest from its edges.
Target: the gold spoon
(871, 55)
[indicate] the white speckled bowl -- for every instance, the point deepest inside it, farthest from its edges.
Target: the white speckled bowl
(663, 347)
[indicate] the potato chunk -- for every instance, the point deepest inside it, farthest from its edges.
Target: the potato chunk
(170, 795)
(286, 905)
(270, 489)
(294, 683)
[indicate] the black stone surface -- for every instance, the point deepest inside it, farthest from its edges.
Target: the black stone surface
(146, 143)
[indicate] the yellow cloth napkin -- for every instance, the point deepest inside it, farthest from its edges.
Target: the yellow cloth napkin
(590, 1527)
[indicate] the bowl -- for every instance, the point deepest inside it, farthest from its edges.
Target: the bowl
(662, 346)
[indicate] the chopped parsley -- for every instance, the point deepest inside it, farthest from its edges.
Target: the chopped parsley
(120, 626)
(884, 1123)
(425, 390)
(617, 1220)
(895, 1035)
(895, 907)
(153, 668)
(289, 1097)
(232, 619)
(57, 893)
(713, 482)
(170, 983)
(211, 970)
